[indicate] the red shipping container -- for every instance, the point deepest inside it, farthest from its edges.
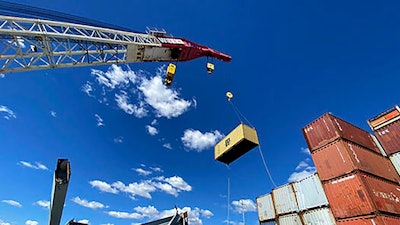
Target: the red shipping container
(342, 157)
(370, 220)
(389, 137)
(361, 194)
(328, 128)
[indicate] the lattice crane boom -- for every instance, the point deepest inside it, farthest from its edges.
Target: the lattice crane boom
(32, 44)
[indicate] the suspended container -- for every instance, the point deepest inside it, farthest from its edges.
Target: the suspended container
(309, 193)
(290, 219)
(237, 143)
(395, 159)
(285, 199)
(328, 128)
(265, 208)
(371, 220)
(342, 157)
(320, 216)
(361, 194)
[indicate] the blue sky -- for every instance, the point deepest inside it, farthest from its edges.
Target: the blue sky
(138, 149)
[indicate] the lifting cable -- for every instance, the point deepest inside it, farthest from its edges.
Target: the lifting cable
(229, 194)
(240, 116)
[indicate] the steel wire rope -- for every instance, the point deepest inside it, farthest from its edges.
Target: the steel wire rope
(229, 195)
(238, 114)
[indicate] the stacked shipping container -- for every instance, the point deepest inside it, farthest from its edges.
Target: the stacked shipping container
(302, 202)
(358, 180)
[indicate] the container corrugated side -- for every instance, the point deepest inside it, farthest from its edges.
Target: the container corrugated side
(360, 194)
(395, 159)
(321, 216)
(328, 128)
(342, 157)
(309, 193)
(265, 208)
(284, 199)
(379, 145)
(389, 137)
(290, 219)
(370, 220)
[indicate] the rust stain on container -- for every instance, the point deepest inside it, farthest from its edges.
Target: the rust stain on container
(342, 157)
(360, 194)
(327, 128)
(389, 137)
(370, 220)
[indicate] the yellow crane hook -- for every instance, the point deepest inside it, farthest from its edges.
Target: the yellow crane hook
(229, 95)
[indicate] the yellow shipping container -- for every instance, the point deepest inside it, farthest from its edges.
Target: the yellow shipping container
(237, 143)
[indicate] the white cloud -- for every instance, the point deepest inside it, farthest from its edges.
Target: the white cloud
(167, 188)
(206, 213)
(143, 172)
(302, 165)
(154, 122)
(306, 151)
(165, 101)
(2, 75)
(87, 88)
(37, 166)
(307, 170)
(195, 140)
(149, 211)
(43, 203)
(87, 204)
(119, 139)
(178, 183)
(114, 77)
(107, 224)
(19, 42)
(123, 103)
(53, 114)
(12, 203)
(151, 130)
(99, 120)
(233, 222)
(4, 223)
(9, 113)
(156, 169)
(244, 205)
(31, 222)
(167, 145)
(85, 221)
(143, 188)
(124, 215)
(103, 186)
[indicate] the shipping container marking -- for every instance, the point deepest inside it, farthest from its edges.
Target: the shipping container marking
(337, 123)
(383, 132)
(326, 125)
(308, 129)
(340, 153)
(354, 153)
(391, 196)
(343, 179)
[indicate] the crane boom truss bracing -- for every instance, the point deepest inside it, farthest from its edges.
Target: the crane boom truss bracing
(29, 44)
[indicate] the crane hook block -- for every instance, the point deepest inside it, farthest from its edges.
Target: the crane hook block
(210, 68)
(237, 143)
(229, 95)
(170, 74)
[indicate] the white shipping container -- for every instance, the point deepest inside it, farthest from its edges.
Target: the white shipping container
(290, 219)
(265, 208)
(379, 145)
(309, 193)
(395, 158)
(321, 216)
(284, 199)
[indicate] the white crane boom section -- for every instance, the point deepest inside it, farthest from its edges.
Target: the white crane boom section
(30, 44)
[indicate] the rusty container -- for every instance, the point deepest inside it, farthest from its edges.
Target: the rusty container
(342, 157)
(370, 220)
(361, 194)
(389, 137)
(328, 128)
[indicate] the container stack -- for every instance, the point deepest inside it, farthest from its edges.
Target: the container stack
(298, 203)
(386, 127)
(360, 183)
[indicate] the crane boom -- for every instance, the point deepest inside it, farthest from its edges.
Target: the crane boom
(62, 175)
(32, 44)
